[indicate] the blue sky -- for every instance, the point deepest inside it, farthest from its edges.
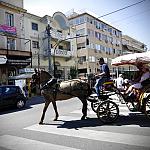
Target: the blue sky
(133, 21)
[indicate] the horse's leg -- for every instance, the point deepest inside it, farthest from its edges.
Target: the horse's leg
(47, 102)
(84, 108)
(55, 109)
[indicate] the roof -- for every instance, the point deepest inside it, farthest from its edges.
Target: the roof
(85, 13)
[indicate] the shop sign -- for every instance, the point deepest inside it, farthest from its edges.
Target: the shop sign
(26, 70)
(8, 29)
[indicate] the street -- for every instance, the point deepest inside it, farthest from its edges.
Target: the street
(19, 130)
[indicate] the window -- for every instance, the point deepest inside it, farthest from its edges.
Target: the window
(98, 35)
(104, 37)
(9, 90)
(35, 44)
(60, 47)
(82, 19)
(9, 19)
(34, 26)
(80, 32)
(92, 59)
(11, 43)
(77, 21)
(82, 59)
(0, 91)
(80, 45)
(102, 48)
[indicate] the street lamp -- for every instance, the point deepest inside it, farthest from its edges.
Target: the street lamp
(48, 28)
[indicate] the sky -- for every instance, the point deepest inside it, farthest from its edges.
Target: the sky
(133, 21)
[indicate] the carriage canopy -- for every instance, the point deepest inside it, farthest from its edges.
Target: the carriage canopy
(132, 59)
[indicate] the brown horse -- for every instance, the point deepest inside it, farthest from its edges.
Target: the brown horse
(62, 91)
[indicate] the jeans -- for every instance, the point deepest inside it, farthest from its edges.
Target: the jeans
(99, 83)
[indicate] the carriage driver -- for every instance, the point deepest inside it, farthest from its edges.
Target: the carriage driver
(103, 76)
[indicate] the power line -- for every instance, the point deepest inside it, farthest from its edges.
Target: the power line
(131, 16)
(121, 9)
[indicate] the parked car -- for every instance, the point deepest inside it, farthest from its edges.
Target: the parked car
(11, 95)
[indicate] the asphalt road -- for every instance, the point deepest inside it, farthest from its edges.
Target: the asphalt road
(19, 130)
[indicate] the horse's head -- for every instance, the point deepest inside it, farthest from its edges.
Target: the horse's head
(38, 78)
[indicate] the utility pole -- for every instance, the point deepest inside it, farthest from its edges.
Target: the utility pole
(48, 28)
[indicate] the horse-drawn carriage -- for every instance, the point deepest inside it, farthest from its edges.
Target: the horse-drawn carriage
(106, 109)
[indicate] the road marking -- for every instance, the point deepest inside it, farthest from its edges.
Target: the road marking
(19, 143)
(121, 138)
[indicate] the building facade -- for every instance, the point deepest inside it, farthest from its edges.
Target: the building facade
(55, 47)
(13, 45)
(101, 40)
(131, 45)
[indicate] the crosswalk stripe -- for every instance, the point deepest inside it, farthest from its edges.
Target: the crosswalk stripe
(19, 143)
(121, 138)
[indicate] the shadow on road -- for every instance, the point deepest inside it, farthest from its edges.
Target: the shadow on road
(132, 119)
(30, 102)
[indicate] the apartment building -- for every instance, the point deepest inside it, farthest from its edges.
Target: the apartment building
(102, 40)
(14, 53)
(131, 45)
(50, 52)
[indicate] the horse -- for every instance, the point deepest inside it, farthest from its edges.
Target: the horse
(54, 91)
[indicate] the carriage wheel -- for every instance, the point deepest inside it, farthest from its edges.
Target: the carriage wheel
(146, 102)
(147, 107)
(94, 106)
(108, 111)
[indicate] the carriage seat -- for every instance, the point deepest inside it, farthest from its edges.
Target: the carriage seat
(109, 82)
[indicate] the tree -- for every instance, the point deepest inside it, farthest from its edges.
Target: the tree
(73, 72)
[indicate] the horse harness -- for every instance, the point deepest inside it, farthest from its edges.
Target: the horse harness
(54, 84)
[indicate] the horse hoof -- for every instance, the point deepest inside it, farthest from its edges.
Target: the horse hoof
(83, 117)
(40, 122)
(55, 119)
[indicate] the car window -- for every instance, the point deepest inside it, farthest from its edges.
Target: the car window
(0, 91)
(9, 90)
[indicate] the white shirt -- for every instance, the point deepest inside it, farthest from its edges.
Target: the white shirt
(119, 82)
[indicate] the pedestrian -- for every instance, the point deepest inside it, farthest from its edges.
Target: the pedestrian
(120, 82)
(103, 76)
(25, 91)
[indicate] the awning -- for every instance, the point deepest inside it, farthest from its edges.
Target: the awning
(22, 76)
(3, 59)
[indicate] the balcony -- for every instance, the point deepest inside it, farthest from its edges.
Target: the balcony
(16, 53)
